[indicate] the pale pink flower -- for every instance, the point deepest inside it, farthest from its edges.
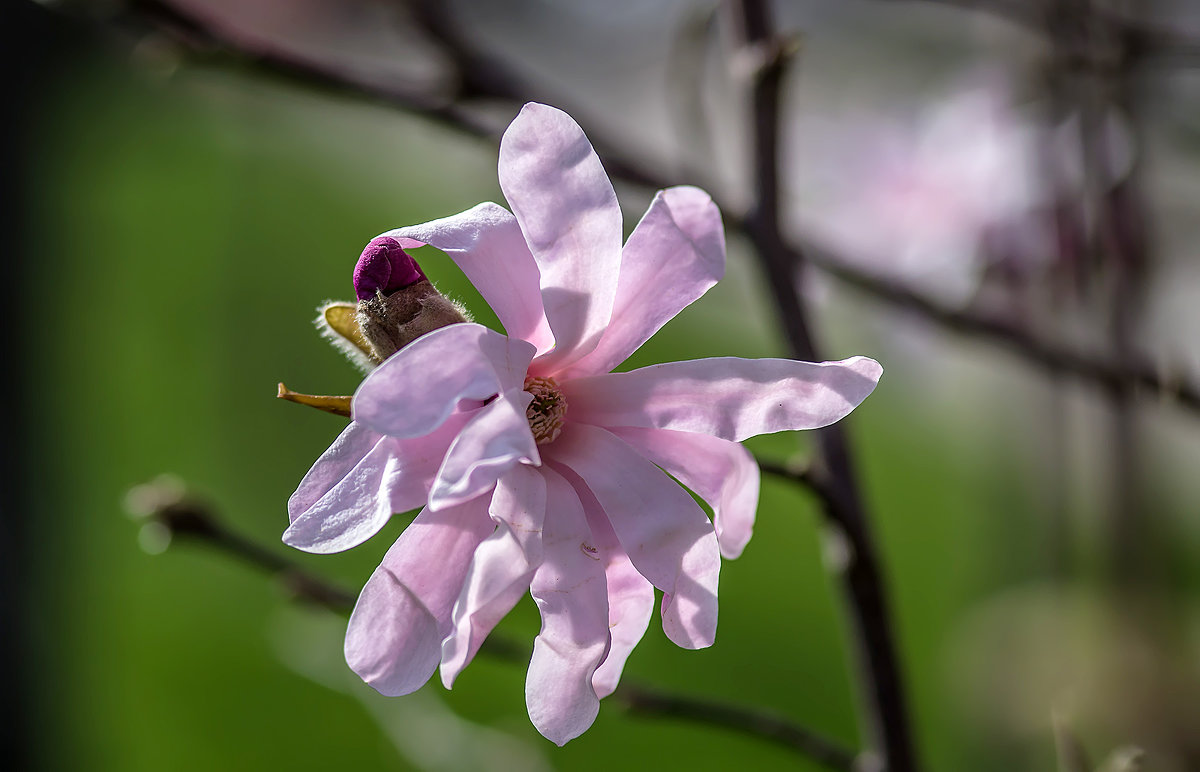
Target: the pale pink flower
(539, 469)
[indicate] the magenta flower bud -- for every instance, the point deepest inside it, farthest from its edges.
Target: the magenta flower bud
(384, 267)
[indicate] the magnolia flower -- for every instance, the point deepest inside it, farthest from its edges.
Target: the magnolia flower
(535, 466)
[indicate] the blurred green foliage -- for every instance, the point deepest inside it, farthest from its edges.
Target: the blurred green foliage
(186, 227)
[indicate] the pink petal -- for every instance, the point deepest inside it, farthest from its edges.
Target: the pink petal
(630, 596)
(725, 397)
(497, 439)
(418, 387)
(394, 639)
(487, 245)
(500, 569)
(672, 258)
(569, 588)
(568, 212)
(664, 531)
(394, 476)
(343, 455)
(721, 472)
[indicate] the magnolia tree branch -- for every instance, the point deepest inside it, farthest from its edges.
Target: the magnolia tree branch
(189, 519)
(862, 581)
(207, 37)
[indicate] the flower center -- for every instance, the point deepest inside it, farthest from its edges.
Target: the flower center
(547, 410)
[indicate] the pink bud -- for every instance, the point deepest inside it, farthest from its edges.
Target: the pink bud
(384, 267)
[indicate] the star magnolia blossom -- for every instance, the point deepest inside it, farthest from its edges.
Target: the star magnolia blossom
(539, 469)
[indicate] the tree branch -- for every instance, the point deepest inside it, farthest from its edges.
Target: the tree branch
(207, 37)
(880, 679)
(164, 503)
(761, 724)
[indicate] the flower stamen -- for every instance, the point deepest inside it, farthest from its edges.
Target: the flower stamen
(547, 410)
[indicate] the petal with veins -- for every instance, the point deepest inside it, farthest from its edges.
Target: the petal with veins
(394, 639)
(487, 245)
(726, 397)
(496, 439)
(418, 387)
(663, 530)
(500, 569)
(394, 476)
(630, 595)
(568, 213)
(721, 472)
(569, 588)
(335, 463)
(674, 255)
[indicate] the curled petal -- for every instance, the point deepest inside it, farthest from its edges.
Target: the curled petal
(674, 255)
(663, 530)
(487, 245)
(393, 476)
(418, 387)
(721, 472)
(342, 456)
(726, 397)
(568, 213)
(500, 569)
(394, 638)
(630, 596)
(569, 588)
(496, 439)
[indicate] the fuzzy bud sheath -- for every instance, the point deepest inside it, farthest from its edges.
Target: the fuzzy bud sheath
(396, 303)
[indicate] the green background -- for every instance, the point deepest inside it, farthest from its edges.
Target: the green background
(185, 223)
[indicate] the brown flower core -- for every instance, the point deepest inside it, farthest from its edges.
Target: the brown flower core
(547, 410)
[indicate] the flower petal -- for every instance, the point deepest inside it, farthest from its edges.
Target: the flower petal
(394, 476)
(672, 257)
(418, 387)
(486, 243)
(664, 531)
(497, 439)
(726, 397)
(394, 639)
(630, 595)
(721, 472)
(569, 588)
(500, 569)
(568, 212)
(335, 463)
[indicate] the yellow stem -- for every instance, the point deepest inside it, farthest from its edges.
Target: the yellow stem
(336, 405)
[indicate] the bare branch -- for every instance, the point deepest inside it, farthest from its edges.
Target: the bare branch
(204, 36)
(882, 686)
(164, 503)
(761, 724)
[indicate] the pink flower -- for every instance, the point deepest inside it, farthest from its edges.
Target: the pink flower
(536, 466)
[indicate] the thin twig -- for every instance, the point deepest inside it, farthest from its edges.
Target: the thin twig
(188, 518)
(1170, 386)
(205, 36)
(880, 679)
(761, 724)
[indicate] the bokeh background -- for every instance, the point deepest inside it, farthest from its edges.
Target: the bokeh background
(178, 220)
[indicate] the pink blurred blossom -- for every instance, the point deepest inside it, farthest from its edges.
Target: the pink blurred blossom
(539, 469)
(916, 199)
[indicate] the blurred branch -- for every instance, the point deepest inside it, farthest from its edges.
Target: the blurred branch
(207, 37)
(1171, 386)
(163, 503)
(1147, 41)
(761, 724)
(861, 577)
